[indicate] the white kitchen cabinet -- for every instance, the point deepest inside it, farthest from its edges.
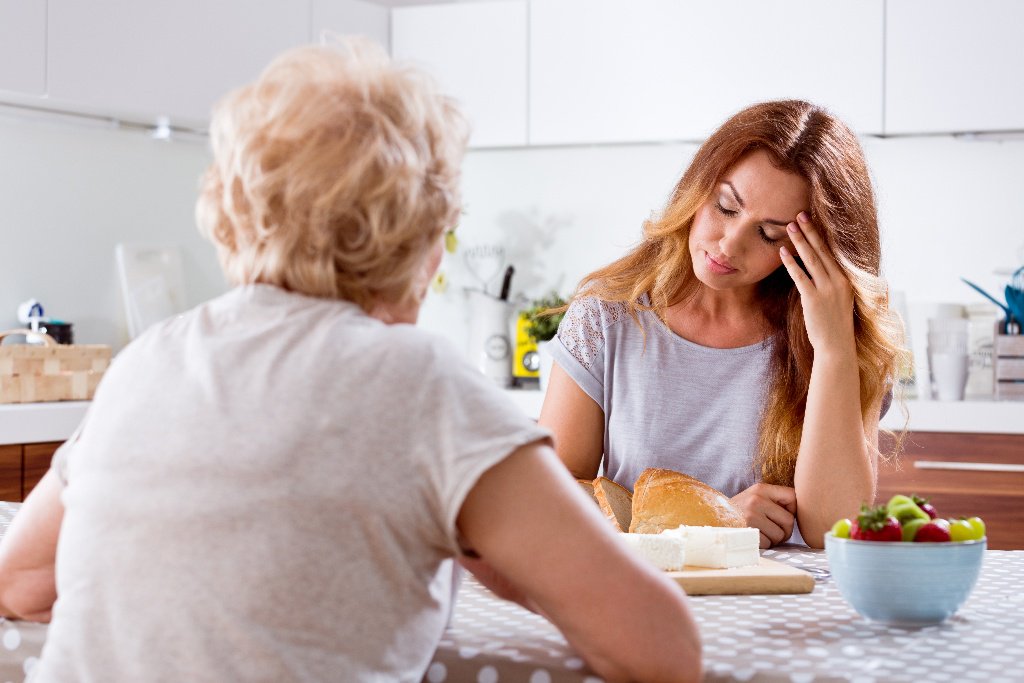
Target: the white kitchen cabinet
(23, 46)
(478, 53)
(142, 60)
(351, 17)
(648, 70)
(954, 66)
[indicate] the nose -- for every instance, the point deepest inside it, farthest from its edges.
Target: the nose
(731, 242)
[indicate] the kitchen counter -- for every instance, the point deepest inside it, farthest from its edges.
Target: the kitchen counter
(972, 417)
(39, 422)
(55, 421)
(811, 637)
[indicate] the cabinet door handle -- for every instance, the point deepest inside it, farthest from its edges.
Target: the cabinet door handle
(975, 466)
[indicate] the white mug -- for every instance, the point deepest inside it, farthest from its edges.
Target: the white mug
(949, 375)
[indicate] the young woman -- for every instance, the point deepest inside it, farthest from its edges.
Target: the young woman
(747, 341)
(273, 485)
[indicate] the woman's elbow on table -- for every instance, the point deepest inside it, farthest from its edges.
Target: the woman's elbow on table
(677, 660)
(26, 595)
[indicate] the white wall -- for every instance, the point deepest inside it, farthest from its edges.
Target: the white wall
(68, 194)
(948, 208)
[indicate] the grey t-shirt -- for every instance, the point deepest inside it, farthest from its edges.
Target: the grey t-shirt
(672, 403)
(266, 488)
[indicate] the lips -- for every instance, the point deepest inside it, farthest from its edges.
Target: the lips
(720, 265)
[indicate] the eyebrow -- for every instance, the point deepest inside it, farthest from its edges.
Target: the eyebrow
(739, 200)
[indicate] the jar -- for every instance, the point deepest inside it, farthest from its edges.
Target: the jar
(982, 320)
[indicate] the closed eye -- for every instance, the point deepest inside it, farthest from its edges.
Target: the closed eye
(725, 211)
(764, 236)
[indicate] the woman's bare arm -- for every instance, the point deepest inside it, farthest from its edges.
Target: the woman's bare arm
(27, 553)
(836, 467)
(577, 423)
(532, 525)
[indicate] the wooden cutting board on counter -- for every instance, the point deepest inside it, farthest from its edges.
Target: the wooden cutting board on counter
(766, 577)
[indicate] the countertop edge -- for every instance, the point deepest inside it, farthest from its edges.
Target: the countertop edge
(971, 417)
(56, 421)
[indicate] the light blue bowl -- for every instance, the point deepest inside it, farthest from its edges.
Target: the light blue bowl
(904, 584)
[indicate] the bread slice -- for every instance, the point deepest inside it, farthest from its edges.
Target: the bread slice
(616, 502)
(664, 499)
(588, 488)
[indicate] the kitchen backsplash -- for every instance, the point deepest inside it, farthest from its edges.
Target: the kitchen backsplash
(948, 208)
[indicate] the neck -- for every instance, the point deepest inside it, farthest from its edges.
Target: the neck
(728, 304)
(392, 313)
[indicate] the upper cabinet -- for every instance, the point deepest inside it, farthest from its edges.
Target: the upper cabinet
(351, 17)
(478, 54)
(644, 70)
(171, 58)
(23, 46)
(954, 66)
(546, 72)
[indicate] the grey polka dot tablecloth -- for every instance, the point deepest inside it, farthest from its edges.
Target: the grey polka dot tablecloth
(812, 637)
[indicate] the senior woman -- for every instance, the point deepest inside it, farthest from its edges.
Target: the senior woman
(275, 484)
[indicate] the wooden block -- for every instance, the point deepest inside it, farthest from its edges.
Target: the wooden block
(1010, 391)
(52, 372)
(10, 473)
(65, 386)
(767, 577)
(1009, 368)
(1010, 345)
(37, 458)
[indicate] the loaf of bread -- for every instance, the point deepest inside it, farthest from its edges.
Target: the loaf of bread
(616, 502)
(664, 499)
(588, 488)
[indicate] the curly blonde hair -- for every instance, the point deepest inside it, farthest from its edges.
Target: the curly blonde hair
(333, 175)
(806, 140)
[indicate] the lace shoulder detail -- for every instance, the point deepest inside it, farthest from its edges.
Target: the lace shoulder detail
(582, 330)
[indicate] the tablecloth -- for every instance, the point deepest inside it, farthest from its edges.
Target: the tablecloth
(815, 637)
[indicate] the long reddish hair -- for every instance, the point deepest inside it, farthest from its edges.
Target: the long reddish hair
(807, 140)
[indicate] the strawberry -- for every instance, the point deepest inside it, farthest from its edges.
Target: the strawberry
(928, 508)
(876, 524)
(935, 531)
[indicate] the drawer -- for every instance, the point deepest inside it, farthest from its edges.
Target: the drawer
(37, 461)
(964, 475)
(10, 473)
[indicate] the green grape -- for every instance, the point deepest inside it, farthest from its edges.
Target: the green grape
(841, 529)
(960, 530)
(978, 526)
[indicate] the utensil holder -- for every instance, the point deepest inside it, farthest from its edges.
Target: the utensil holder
(1008, 362)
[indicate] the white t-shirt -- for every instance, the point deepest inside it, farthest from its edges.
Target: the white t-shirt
(266, 488)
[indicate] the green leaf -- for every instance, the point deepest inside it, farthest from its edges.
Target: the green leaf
(543, 324)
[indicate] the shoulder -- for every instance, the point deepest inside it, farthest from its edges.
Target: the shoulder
(595, 314)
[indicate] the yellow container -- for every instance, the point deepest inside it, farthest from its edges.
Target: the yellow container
(525, 362)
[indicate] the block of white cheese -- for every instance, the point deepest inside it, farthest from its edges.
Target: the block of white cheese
(664, 552)
(718, 547)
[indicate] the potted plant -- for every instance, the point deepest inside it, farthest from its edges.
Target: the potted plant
(544, 315)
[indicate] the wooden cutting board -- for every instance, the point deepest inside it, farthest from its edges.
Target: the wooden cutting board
(766, 577)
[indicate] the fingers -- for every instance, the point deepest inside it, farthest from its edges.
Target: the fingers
(783, 495)
(809, 236)
(800, 279)
(770, 509)
(783, 519)
(799, 233)
(771, 532)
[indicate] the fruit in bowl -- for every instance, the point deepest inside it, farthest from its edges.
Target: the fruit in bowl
(899, 567)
